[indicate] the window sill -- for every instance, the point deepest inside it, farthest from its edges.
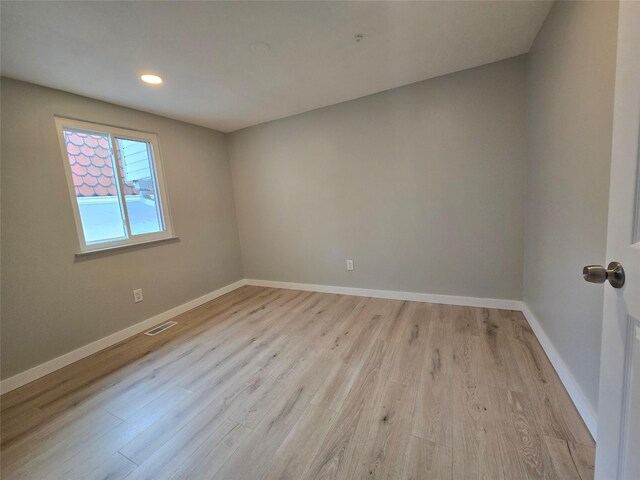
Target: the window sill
(122, 247)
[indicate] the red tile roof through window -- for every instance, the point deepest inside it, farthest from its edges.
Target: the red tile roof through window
(92, 166)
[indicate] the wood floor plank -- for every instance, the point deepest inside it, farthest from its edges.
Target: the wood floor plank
(278, 422)
(364, 332)
(335, 457)
(380, 450)
(492, 353)
(468, 368)
(425, 459)
(465, 321)
(255, 342)
(433, 410)
(51, 433)
(583, 458)
(255, 407)
(312, 364)
(302, 444)
(37, 460)
(393, 314)
(117, 467)
(562, 459)
(523, 451)
(96, 452)
(204, 406)
(476, 453)
(19, 421)
(168, 460)
(273, 383)
(413, 329)
(253, 457)
(207, 460)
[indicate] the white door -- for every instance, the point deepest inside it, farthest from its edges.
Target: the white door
(618, 436)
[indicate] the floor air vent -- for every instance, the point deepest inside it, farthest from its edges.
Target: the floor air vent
(160, 328)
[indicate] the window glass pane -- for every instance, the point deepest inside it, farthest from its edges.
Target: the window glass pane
(91, 162)
(141, 195)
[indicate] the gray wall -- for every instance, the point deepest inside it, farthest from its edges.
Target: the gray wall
(423, 186)
(571, 70)
(53, 303)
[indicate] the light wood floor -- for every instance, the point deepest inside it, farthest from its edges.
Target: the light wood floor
(269, 383)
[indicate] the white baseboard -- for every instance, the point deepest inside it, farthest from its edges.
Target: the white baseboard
(575, 392)
(68, 358)
(50, 366)
(570, 384)
(394, 295)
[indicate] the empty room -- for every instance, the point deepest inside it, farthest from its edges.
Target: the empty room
(320, 240)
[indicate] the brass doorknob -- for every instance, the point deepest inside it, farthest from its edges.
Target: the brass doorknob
(598, 274)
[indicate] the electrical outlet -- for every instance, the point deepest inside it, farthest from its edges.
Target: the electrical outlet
(137, 295)
(349, 265)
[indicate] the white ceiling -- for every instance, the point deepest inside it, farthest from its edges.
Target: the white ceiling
(214, 78)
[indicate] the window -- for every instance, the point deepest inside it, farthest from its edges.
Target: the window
(116, 185)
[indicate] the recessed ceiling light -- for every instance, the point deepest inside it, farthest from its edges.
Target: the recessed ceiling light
(151, 79)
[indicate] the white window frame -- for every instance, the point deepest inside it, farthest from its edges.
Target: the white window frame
(63, 123)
